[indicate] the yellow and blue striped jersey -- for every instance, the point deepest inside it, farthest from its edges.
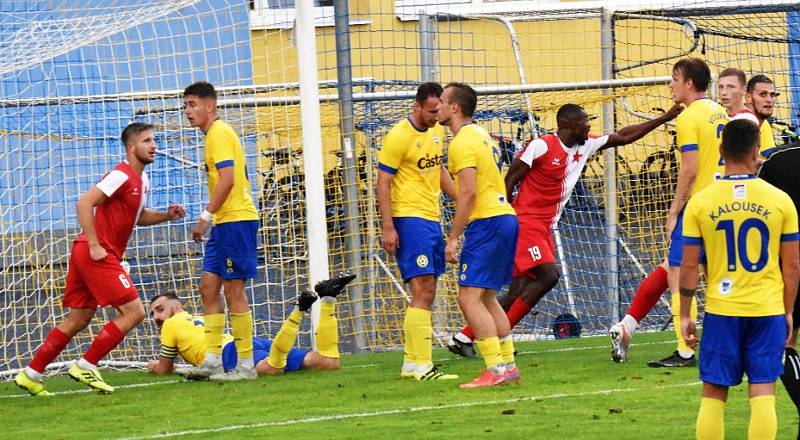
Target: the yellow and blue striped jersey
(184, 334)
(741, 221)
(414, 157)
(699, 128)
(473, 147)
(223, 149)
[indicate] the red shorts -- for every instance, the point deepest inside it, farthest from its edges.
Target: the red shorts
(535, 246)
(92, 283)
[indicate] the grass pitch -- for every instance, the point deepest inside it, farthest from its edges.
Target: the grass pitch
(570, 389)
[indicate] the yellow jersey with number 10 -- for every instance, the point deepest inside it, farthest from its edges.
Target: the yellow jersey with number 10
(741, 221)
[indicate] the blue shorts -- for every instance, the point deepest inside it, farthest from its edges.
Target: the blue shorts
(676, 243)
(487, 258)
(421, 250)
(231, 250)
(261, 348)
(733, 345)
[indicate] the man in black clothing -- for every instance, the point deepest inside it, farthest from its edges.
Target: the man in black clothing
(781, 170)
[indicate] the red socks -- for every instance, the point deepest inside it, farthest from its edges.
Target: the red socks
(515, 314)
(648, 293)
(108, 338)
(53, 346)
(517, 311)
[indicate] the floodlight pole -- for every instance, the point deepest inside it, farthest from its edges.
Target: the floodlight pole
(610, 167)
(316, 228)
(350, 189)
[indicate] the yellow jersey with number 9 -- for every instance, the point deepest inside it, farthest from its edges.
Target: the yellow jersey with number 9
(741, 221)
(699, 128)
(473, 147)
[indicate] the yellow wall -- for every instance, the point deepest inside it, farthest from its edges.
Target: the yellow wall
(479, 52)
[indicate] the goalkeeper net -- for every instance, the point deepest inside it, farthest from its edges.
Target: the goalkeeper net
(73, 76)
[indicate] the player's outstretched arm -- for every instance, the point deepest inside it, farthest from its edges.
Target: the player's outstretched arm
(633, 133)
(150, 217)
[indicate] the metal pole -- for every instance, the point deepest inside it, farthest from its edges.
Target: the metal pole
(609, 167)
(429, 69)
(350, 188)
(316, 228)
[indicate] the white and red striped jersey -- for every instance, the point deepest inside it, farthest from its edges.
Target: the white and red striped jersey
(115, 218)
(746, 114)
(554, 171)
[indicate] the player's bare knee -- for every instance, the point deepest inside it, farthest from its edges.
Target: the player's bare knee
(423, 291)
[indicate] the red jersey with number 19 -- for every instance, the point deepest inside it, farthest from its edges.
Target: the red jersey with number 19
(115, 218)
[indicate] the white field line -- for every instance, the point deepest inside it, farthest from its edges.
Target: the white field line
(87, 390)
(558, 350)
(414, 409)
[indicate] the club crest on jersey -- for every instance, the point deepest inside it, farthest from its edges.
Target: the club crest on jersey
(740, 191)
(725, 286)
(422, 261)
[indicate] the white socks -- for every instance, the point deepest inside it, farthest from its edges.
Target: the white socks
(86, 365)
(630, 323)
(33, 374)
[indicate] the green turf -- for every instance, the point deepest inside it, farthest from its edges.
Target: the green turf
(570, 389)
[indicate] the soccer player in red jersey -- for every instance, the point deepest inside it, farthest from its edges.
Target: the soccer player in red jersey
(107, 214)
(731, 88)
(548, 170)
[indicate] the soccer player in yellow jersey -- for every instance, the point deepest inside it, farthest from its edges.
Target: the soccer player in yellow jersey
(749, 230)
(490, 234)
(410, 180)
(230, 253)
(182, 334)
(760, 99)
(698, 128)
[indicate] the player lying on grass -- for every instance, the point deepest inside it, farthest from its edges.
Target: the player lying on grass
(183, 334)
